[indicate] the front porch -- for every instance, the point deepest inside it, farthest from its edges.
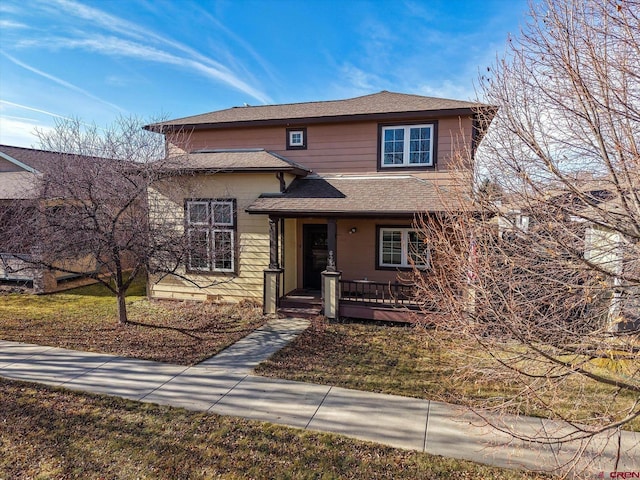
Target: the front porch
(352, 238)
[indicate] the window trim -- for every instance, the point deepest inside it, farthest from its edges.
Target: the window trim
(406, 264)
(296, 146)
(382, 127)
(210, 227)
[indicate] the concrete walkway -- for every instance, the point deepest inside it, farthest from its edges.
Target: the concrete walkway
(224, 385)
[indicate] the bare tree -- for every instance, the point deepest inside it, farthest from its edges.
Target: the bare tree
(543, 271)
(89, 215)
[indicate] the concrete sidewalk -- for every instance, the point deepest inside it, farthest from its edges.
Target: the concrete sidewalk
(224, 385)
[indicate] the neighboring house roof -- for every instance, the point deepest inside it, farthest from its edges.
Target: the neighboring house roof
(33, 165)
(360, 196)
(377, 105)
(236, 160)
(38, 160)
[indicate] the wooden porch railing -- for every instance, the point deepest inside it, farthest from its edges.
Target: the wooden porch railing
(377, 293)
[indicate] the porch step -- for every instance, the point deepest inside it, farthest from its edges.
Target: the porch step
(301, 303)
(306, 312)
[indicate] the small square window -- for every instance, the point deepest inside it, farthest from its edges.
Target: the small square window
(296, 138)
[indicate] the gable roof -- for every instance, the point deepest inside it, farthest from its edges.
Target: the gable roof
(30, 158)
(377, 105)
(360, 196)
(33, 166)
(236, 160)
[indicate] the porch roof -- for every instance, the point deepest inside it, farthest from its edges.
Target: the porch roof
(236, 160)
(380, 195)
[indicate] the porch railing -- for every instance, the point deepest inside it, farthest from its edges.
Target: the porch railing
(377, 293)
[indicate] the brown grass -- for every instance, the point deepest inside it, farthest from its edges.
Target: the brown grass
(424, 364)
(183, 333)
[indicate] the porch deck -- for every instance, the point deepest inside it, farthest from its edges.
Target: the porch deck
(391, 302)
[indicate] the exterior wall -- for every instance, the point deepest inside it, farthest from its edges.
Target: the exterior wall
(252, 236)
(332, 148)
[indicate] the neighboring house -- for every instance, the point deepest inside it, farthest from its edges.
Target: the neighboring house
(605, 249)
(21, 171)
(280, 193)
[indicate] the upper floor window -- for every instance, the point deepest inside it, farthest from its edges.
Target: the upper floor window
(211, 226)
(407, 146)
(296, 138)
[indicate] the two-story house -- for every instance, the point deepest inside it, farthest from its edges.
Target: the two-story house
(289, 190)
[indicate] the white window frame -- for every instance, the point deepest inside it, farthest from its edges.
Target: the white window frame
(207, 268)
(292, 134)
(404, 242)
(213, 249)
(406, 152)
(211, 227)
(192, 204)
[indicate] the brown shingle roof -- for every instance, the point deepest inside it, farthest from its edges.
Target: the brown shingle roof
(381, 103)
(360, 196)
(37, 159)
(237, 161)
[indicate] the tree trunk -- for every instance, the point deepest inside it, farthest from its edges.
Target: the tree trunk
(122, 309)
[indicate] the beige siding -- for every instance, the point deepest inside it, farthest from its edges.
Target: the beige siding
(332, 148)
(252, 236)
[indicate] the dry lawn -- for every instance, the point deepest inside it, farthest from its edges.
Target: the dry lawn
(409, 361)
(183, 333)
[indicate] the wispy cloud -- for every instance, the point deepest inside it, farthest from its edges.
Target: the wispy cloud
(11, 24)
(20, 132)
(118, 47)
(128, 39)
(59, 81)
(32, 109)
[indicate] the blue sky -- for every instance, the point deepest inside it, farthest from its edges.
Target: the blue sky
(95, 60)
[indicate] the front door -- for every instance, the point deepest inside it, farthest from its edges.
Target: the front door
(314, 253)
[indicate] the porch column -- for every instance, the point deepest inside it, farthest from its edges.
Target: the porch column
(332, 238)
(331, 289)
(273, 242)
(272, 274)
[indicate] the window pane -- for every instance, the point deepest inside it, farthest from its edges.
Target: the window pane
(199, 249)
(222, 213)
(391, 247)
(295, 138)
(418, 249)
(420, 145)
(393, 146)
(198, 213)
(223, 250)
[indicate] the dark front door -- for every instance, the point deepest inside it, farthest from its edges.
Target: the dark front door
(314, 253)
